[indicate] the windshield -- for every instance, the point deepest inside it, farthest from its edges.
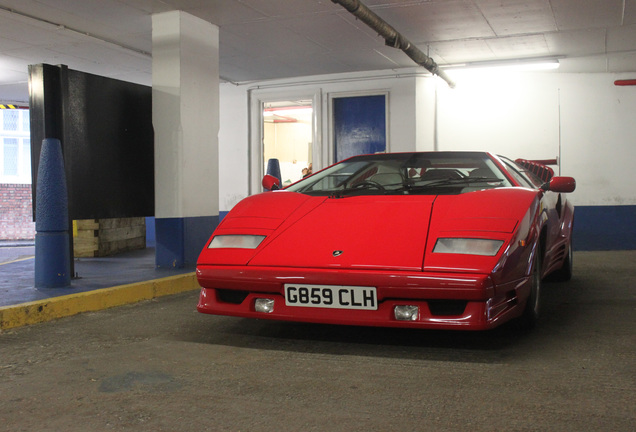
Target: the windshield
(432, 173)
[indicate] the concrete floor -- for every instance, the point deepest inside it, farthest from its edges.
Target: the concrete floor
(158, 365)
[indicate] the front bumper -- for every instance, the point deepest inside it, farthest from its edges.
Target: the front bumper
(445, 300)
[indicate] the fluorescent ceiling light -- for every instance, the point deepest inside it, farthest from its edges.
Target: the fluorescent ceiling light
(508, 65)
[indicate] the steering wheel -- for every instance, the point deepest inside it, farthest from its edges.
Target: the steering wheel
(371, 183)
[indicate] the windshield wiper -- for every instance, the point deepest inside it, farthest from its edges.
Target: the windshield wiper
(452, 182)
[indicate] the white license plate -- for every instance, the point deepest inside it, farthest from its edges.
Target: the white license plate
(331, 296)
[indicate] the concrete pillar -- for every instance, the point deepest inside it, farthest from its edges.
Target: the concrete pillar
(185, 105)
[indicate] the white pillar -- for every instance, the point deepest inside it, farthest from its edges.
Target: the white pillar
(185, 116)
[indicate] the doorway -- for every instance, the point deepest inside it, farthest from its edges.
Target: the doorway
(284, 124)
(288, 136)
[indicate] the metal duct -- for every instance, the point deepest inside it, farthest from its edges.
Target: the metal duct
(393, 38)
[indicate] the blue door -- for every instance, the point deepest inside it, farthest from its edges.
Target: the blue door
(359, 125)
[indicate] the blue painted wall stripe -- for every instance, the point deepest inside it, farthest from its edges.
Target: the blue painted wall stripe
(179, 241)
(605, 227)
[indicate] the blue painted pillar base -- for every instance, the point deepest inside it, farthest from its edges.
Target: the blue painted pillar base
(52, 241)
(179, 241)
(273, 169)
(52, 260)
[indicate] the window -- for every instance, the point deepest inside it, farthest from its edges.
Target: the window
(264, 107)
(11, 120)
(10, 156)
(15, 146)
(26, 157)
(525, 177)
(359, 125)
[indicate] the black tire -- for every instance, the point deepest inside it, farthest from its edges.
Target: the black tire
(532, 309)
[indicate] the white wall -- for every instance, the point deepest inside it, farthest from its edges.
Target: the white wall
(583, 118)
(598, 123)
(425, 113)
(516, 115)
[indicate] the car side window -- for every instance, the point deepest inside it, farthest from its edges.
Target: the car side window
(519, 177)
(534, 179)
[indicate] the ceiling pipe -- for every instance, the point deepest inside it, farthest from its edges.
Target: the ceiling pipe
(393, 38)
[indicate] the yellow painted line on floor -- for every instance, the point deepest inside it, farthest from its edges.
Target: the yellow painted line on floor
(89, 301)
(18, 260)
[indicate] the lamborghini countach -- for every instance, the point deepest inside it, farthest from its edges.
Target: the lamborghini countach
(438, 240)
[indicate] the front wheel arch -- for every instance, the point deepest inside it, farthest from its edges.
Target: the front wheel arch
(532, 308)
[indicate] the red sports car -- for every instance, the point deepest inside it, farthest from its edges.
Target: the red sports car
(445, 240)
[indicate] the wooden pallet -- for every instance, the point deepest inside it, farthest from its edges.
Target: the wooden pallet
(106, 237)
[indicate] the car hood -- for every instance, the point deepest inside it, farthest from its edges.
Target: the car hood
(364, 232)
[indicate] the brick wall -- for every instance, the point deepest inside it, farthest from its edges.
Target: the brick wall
(16, 215)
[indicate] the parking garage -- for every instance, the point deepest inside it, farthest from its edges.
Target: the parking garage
(228, 87)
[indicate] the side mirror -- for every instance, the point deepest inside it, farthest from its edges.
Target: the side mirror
(270, 183)
(560, 185)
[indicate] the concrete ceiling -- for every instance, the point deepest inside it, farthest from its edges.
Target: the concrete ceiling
(266, 39)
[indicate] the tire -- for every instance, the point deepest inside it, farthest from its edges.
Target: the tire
(532, 309)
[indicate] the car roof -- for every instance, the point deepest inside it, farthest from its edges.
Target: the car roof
(432, 154)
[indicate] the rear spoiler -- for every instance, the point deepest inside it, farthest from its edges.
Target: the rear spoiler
(539, 168)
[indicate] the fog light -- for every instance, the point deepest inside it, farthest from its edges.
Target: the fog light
(264, 305)
(406, 312)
